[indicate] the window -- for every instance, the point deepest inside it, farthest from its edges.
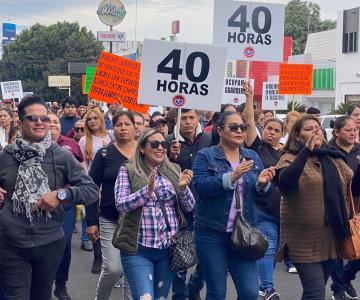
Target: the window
(350, 30)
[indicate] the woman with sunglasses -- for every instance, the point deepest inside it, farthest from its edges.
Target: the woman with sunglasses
(219, 172)
(313, 180)
(102, 219)
(95, 138)
(269, 150)
(145, 188)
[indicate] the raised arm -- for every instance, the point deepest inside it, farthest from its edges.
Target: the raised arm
(249, 114)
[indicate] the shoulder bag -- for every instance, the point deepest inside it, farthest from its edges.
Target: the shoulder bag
(246, 240)
(182, 244)
(350, 248)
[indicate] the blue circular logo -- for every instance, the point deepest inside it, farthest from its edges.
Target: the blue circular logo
(179, 100)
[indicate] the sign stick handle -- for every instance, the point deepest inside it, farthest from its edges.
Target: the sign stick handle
(293, 103)
(178, 119)
(247, 70)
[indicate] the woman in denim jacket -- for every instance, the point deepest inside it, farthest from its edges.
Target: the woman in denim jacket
(217, 172)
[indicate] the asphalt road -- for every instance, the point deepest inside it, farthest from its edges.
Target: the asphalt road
(82, 284)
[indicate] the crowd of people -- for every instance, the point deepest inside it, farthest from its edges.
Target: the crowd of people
(139, 179)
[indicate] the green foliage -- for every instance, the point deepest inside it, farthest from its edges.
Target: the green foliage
(301, 18)
(41, 51)
(293, 103)
(341, 109)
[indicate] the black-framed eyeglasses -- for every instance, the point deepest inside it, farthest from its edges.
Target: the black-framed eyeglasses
(156, 144)
(34, 119)
(236, 127)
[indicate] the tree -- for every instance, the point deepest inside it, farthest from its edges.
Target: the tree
(301, 18)
(41, 51)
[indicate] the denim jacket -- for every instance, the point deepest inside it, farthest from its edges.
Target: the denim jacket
(215, 192)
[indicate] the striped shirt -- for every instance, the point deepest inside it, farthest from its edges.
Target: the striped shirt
(153, 230)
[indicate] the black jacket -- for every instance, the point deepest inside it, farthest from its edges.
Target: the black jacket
(63, 170)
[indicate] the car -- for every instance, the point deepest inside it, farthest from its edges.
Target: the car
(325, 122)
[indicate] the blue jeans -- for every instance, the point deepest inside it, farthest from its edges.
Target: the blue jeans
(84, 237)
(343, 275)
(148, 272)
(62, 274)
(216, 257)
(180, 289)
(266, 265)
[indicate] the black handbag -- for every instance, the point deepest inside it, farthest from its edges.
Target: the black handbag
(182, 245)
(246, 240)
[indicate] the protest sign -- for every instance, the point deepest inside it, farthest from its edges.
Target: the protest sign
(233, 92)
(90, 73)
(83, 81)
(271, 100)
(182, 75)
(250, 30)
(295, 79)
(117, 81)
(11, 89)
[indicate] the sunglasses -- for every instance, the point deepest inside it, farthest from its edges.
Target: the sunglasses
(33, 119)
(236, 127)
(156, 144)
(79, 129)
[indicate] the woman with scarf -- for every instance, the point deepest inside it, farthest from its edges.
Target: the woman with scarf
(313, 180)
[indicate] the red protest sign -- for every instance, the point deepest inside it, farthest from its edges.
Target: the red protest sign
(117, 80)
(295, 79)
(83, 80)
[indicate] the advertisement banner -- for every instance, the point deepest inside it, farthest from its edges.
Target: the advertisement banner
(271, 100)
(295, 79)
(117, 80)
(250, 30)
(233, 91)
(182, 75)
(11, 89)
(111, 36)
(9, 30)
(59, 81)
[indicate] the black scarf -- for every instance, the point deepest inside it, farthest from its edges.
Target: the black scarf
(335, 209)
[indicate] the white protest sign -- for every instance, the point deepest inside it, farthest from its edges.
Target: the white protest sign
(250, 30)
(59, 81)
(11, 89)
(233, 91)
(182, 75)
(271, 100)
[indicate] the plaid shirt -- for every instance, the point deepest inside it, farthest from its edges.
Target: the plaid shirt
(153, 230)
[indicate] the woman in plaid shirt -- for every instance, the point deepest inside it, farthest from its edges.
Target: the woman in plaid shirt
(144, 236)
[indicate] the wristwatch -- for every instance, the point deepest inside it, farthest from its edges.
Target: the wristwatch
(61, 194)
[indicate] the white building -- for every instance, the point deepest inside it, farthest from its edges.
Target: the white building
(348, 56)
(320, 50)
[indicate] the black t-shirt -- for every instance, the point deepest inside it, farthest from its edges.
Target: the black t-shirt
(352, 158)
(269, 157)
(104, 171)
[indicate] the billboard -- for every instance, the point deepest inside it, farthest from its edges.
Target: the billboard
(9, 30)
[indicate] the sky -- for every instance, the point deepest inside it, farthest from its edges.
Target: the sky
(154, 17)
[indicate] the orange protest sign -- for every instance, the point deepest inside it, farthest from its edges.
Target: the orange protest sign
(117, 80)
(83, 79)
(295, 79)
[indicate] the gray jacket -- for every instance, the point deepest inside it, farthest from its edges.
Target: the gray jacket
(63, 170)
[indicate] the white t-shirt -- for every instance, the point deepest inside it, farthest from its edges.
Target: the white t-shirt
(97, 143)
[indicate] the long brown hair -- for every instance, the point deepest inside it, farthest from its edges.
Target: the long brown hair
(293, 144)
(88, 133)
